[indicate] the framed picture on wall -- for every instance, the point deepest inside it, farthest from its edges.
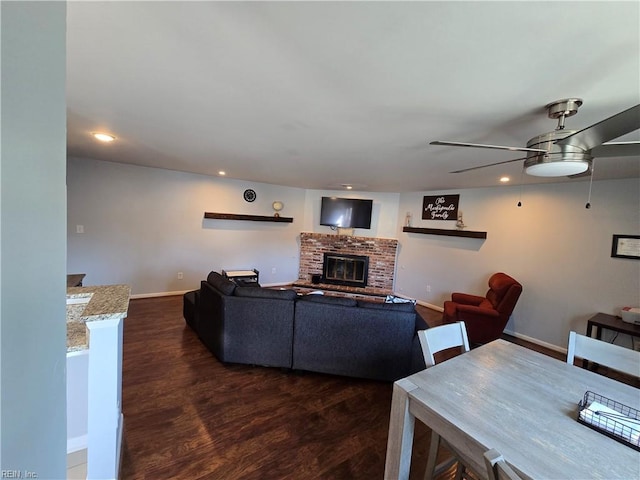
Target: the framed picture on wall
(626, 246)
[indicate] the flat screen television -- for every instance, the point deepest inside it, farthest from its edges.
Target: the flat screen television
(346, 212)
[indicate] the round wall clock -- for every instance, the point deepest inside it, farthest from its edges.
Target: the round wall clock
(249, 195)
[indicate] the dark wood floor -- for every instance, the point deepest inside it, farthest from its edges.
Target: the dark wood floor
(187, 416)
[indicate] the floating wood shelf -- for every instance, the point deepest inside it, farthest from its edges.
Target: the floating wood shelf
(252, 218)
(445, 232)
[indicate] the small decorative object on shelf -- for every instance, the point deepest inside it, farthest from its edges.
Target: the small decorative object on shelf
(407, 220)
(460, 223)
(277, 206)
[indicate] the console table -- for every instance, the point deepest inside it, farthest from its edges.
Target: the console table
(603, 321)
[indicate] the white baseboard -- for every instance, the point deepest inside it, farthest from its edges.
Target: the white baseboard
(75, 444)
(550, 346)
(430, 305)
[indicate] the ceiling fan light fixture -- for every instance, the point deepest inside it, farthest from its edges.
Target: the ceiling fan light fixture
(559, 168)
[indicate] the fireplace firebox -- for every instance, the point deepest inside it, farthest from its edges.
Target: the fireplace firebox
(349, 270)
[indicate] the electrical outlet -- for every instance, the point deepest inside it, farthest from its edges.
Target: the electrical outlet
(180, 275)
(428, 288)
(79, 228)
(273, 270)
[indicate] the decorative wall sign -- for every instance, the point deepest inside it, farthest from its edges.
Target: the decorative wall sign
(249, 195)
(626, 246)
(440, 207)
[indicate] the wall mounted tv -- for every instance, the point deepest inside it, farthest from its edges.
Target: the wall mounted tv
(346, 212)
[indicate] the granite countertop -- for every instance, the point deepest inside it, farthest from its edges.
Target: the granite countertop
(91, 304)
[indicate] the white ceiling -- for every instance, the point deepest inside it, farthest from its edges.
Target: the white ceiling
(319, 94)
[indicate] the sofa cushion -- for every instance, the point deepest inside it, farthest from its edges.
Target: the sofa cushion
(330, 299)
(390, 307)
(222, 284)
(257, 292)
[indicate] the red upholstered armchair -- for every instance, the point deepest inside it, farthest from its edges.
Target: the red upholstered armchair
(485, 317)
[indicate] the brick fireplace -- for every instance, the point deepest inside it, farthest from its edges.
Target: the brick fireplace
(381, 253)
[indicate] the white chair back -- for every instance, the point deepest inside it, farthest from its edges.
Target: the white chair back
(498, 468)
(432, 341)
(613, 356)
(436, 339)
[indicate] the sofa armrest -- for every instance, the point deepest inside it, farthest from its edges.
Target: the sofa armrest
(466, 298)
(471, 311)
(210, 324)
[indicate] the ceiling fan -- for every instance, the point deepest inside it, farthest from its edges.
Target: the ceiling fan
(569, 152)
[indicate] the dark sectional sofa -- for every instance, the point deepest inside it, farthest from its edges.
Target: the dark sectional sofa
(326, 334)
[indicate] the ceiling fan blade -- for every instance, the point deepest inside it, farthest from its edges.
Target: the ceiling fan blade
(617, 149)
(487, 165)
(605, 130)
(481, 145)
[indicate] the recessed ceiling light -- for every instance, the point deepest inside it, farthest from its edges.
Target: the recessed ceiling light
(347, 186)
(222, 173)
(505, 179)
(103, 137)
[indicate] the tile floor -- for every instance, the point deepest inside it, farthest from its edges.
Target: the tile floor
(77, 465)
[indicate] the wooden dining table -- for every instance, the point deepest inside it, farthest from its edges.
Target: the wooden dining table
(518, 401)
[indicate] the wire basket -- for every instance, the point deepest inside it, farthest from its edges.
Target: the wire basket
(613, 419)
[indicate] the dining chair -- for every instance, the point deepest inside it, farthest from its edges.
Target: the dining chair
(437, 339)
(498, 468)
(603, 353)
(432, 341)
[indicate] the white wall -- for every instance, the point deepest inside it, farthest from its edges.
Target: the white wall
(557, 249)
(32, 239)
(144, 225)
